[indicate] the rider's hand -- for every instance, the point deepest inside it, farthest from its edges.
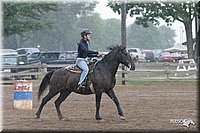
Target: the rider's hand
(100, 54)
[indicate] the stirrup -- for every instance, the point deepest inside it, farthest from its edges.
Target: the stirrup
(81, 86)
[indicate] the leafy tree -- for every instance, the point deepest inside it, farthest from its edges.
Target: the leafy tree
(23, 17)
(66, 31)
(63, 31)
(152, 37)
(94, 23)
(81, 8)
(69, 20)
(166, 36)
(111, 32)
(198, 7)
(183, 12)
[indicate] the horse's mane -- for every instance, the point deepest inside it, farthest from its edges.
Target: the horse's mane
(111, 48)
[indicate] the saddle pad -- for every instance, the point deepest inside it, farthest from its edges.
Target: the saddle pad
(73, 68)
(76, 69)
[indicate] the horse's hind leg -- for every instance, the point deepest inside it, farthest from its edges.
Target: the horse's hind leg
(48, 97)
(63, 95)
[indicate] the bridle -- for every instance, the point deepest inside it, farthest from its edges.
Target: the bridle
(125, 60)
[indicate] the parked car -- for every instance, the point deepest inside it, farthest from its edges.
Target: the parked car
(8, 51)
(176, 56)
(44, 57)
(157, 54)
(12, 58)
(27, 51)
(165, 57)
(137, 54)
(149, 56)
(54, 57)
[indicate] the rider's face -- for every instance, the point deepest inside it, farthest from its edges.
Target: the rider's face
(88, 36)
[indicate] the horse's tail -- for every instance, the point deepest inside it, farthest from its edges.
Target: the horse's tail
(44, 83)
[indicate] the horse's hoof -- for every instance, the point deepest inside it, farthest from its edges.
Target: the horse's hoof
(37, 118)
(64, 119)
(100, 121)
(122, 118)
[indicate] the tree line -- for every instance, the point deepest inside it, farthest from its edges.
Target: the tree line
(57, 26)
(182, 11)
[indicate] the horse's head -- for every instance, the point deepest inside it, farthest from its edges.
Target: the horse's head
(124, 57)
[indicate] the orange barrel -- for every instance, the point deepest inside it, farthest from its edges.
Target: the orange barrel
(23, 95)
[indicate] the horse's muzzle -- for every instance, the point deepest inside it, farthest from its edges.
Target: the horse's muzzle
(132, 67)
(129, 66)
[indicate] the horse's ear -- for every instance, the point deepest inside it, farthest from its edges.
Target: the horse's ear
(112, 47)
(122, 47)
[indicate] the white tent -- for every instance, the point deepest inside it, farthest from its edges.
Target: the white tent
(177, 48)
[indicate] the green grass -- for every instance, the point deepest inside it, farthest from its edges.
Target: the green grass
(138, 82)
(161, 83)
(137, 78)
(138, 75)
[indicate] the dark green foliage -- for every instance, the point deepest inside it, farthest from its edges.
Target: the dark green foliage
(151, 37)
(23, 17)
(198, 7)
(71, 18)
(150, 12)
(169, 11)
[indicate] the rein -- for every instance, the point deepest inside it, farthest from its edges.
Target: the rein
(125, 60)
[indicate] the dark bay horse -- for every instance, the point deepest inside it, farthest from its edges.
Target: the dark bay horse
(101, 79)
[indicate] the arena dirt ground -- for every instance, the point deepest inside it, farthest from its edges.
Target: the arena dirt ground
(146, 108)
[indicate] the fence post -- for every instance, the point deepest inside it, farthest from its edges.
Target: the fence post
(45, 67)
(123, 75)
(123, 32)
(167, 70)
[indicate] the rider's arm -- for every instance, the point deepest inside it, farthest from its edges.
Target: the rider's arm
(86, 50)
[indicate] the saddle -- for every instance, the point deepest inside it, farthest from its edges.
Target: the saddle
(76, 69)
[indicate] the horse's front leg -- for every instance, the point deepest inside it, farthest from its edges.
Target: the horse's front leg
(98, 102)
(112, 95)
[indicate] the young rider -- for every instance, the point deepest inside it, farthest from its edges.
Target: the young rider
(83, 53)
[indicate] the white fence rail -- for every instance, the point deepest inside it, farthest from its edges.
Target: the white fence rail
(163, 72)
(165, 69)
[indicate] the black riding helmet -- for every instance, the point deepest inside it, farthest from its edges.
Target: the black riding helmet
(85, 32)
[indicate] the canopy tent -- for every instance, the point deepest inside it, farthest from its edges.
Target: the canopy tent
(176, 48)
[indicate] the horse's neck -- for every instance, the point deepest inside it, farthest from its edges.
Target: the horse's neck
(111, 63)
